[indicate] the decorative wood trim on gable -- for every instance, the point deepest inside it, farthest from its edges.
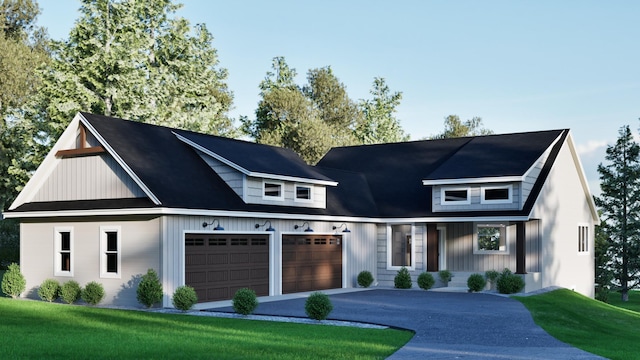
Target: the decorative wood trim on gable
(81, 149)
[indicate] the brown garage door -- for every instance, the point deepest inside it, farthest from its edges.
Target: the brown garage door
(311, 262)
(217, 265)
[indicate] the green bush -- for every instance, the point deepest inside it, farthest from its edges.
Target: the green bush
(70, 291)
(49, 290)
(13, 282)
(184, 298)
(445, 276)
(509, 283)
(318, 306)
(365, 279)
(93, 293)
(244, 301)
(476, 282)
(9, 242)
(426, 281)
(602, 294)
(402, 279)
(149, 290)
(491, 276)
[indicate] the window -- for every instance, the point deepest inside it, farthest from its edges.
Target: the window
(583, 238)
(490, 238)
(496, 195)
(400, 246)
(63, 258)
(455, 196)
(272, 190)
(110, 252)
(303, 193)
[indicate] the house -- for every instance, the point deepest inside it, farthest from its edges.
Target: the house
(114, 198)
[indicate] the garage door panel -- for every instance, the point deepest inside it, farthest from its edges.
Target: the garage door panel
(197, 277)
(220, 275)
(241, 258)
(196, 259)
(311, 262)
(260, 274)
(218, 259)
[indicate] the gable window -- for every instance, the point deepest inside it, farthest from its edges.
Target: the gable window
(63, 258)
(583, 238)
(496, 194)
(455, 196)
(400, 246)
(110, 252)
(303, 193)
(490, 239)
(272, 190)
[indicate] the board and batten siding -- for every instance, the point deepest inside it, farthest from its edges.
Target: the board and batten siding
(88, 178)
(358, 246)
(460, 256)
(233, 177)
(385, 275)
(475, 198)
(255, 190)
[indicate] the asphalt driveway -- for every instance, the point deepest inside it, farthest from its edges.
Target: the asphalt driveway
(446, 325)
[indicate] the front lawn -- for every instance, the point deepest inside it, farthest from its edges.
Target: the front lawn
(585, 323)
(633, 304)
(40, 330)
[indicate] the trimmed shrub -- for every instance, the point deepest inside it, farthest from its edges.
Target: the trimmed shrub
(93, 293)
(509, 283)
(245, 301)
(318, 306)
(184, 298)
(402, 279)
(49, 290)
(426, 281)
(365, 279)
(445, 276)
(149, 290)
(13, 282)
(70, 291)
(476, 282)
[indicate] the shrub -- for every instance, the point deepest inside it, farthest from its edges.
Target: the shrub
(402, 279)
(426, 281)
(365, 279)
(184, 298)
(70, 291)
(476, 282)
(318, 306)
(149, 290)
(602, 294)
(491, 276)
(93, 293)
(13, 282)
(245, 301)
(445, 276)
(509, 283)
(49, 290)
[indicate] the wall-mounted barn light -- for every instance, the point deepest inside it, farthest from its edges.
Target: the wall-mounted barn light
(265, 223)
(218, 227)
(346, 229)
(308, 229)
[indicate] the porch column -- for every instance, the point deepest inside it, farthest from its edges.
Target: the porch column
(521, 249)
(432, 247)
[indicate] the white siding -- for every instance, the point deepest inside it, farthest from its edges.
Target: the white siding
(460, 256)
(233, 177)
(475, 199)
(385, 275)
(254, 194)
(88, 178)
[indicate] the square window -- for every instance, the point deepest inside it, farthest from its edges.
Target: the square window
(490, 238)
(273, 191)
(303, 193)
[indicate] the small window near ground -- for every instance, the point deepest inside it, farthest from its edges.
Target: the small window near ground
(457, 196)
(583, 238)
(63, 261)
(303, 193)
(110, 249)
(490, 238)
(273, 191)
(496, 195)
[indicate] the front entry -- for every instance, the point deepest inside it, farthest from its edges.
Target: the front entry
(311, 262)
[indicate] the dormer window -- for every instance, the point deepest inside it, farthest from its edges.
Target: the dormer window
(496, 194)
(272, 190)
(455, 196)
(303, 193)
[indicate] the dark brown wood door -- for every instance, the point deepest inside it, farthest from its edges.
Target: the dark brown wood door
(311, 262)
(217, 265)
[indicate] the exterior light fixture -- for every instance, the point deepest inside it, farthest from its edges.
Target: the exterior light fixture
(346, 229)
(218, 227)
(265, 223)
(308, 229)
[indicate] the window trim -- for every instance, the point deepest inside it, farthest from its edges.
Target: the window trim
(390, 265)
(478, 251)
(103, 252)
(443, 191)
(295, 193)
(264, 190)
(57, 261)
(587, 247)
(509, 200)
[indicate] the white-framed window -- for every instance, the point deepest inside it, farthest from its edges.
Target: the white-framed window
(110, 252)
(400, 246)
(63, 261)
(272, 190)
(455, 196)
(496, 194)
(303, 193)
(490, 238)
(583, 238)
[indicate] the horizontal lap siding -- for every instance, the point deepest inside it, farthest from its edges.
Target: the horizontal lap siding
(475, 198)
(233, 177)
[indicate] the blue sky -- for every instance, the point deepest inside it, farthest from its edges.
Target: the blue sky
(520, 65)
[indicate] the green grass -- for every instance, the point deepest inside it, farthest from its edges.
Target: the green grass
(633, 304)
(587, 324)
(35, 329)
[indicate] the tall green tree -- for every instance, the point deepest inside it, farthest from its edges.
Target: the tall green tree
(378, 123)
(603, 273)
(454, 127)
(620, 206)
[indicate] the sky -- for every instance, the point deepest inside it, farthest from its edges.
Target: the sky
(519, 65)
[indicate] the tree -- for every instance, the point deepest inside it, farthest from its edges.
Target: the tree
(620, 206)
(378, 123)
(603, 272)
(454, 127)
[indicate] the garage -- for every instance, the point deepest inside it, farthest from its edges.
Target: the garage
(311, 262)
(217, 265)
